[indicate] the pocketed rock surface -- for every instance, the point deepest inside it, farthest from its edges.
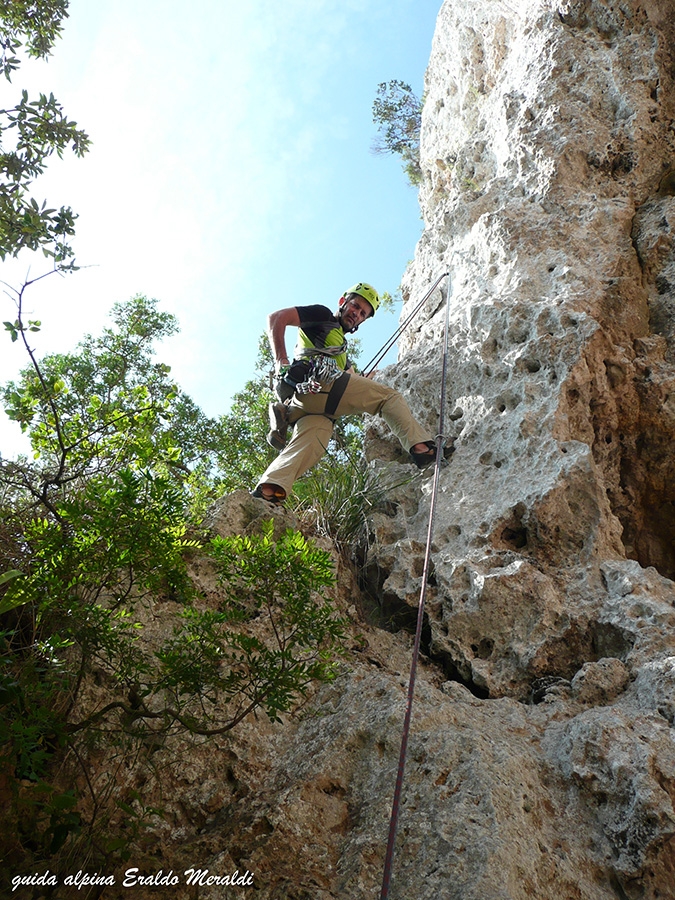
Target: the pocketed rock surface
(541, 761)
(548, 151)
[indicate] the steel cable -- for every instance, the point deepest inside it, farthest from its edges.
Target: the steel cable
(401, 328)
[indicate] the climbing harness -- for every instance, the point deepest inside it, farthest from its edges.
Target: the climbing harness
(311, 367)
(440, 441)
(322, 370)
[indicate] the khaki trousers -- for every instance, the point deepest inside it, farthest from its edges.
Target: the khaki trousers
(313, 428)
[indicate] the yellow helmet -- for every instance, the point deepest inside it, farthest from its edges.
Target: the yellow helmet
(368, 292)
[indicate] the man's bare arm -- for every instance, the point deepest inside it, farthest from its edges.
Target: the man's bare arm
(277, 323)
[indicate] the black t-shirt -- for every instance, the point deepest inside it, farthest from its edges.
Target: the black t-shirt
(320, 328)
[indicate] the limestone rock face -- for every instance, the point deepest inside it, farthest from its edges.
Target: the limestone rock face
(541, 761)
(548, 148)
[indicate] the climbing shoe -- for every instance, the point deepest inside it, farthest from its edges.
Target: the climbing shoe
(428, 456)
(272, 493)
(276, 437)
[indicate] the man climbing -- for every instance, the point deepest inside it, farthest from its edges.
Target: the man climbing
(320, 385)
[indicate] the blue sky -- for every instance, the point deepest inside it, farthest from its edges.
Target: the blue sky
(230, 172)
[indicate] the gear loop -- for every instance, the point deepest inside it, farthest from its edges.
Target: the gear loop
(323, 370)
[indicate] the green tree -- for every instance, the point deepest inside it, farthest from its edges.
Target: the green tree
(397, 112)
(276, 582)
(91, 528)
(35, 24)
(31, 132)
(107, 406)
(274, 633)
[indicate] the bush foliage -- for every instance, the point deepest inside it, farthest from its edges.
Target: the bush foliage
(95, 528)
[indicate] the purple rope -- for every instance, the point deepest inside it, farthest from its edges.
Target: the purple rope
(393, 823)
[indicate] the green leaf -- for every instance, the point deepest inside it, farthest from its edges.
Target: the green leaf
(13, 331)
(9, 575)
(7, 603)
